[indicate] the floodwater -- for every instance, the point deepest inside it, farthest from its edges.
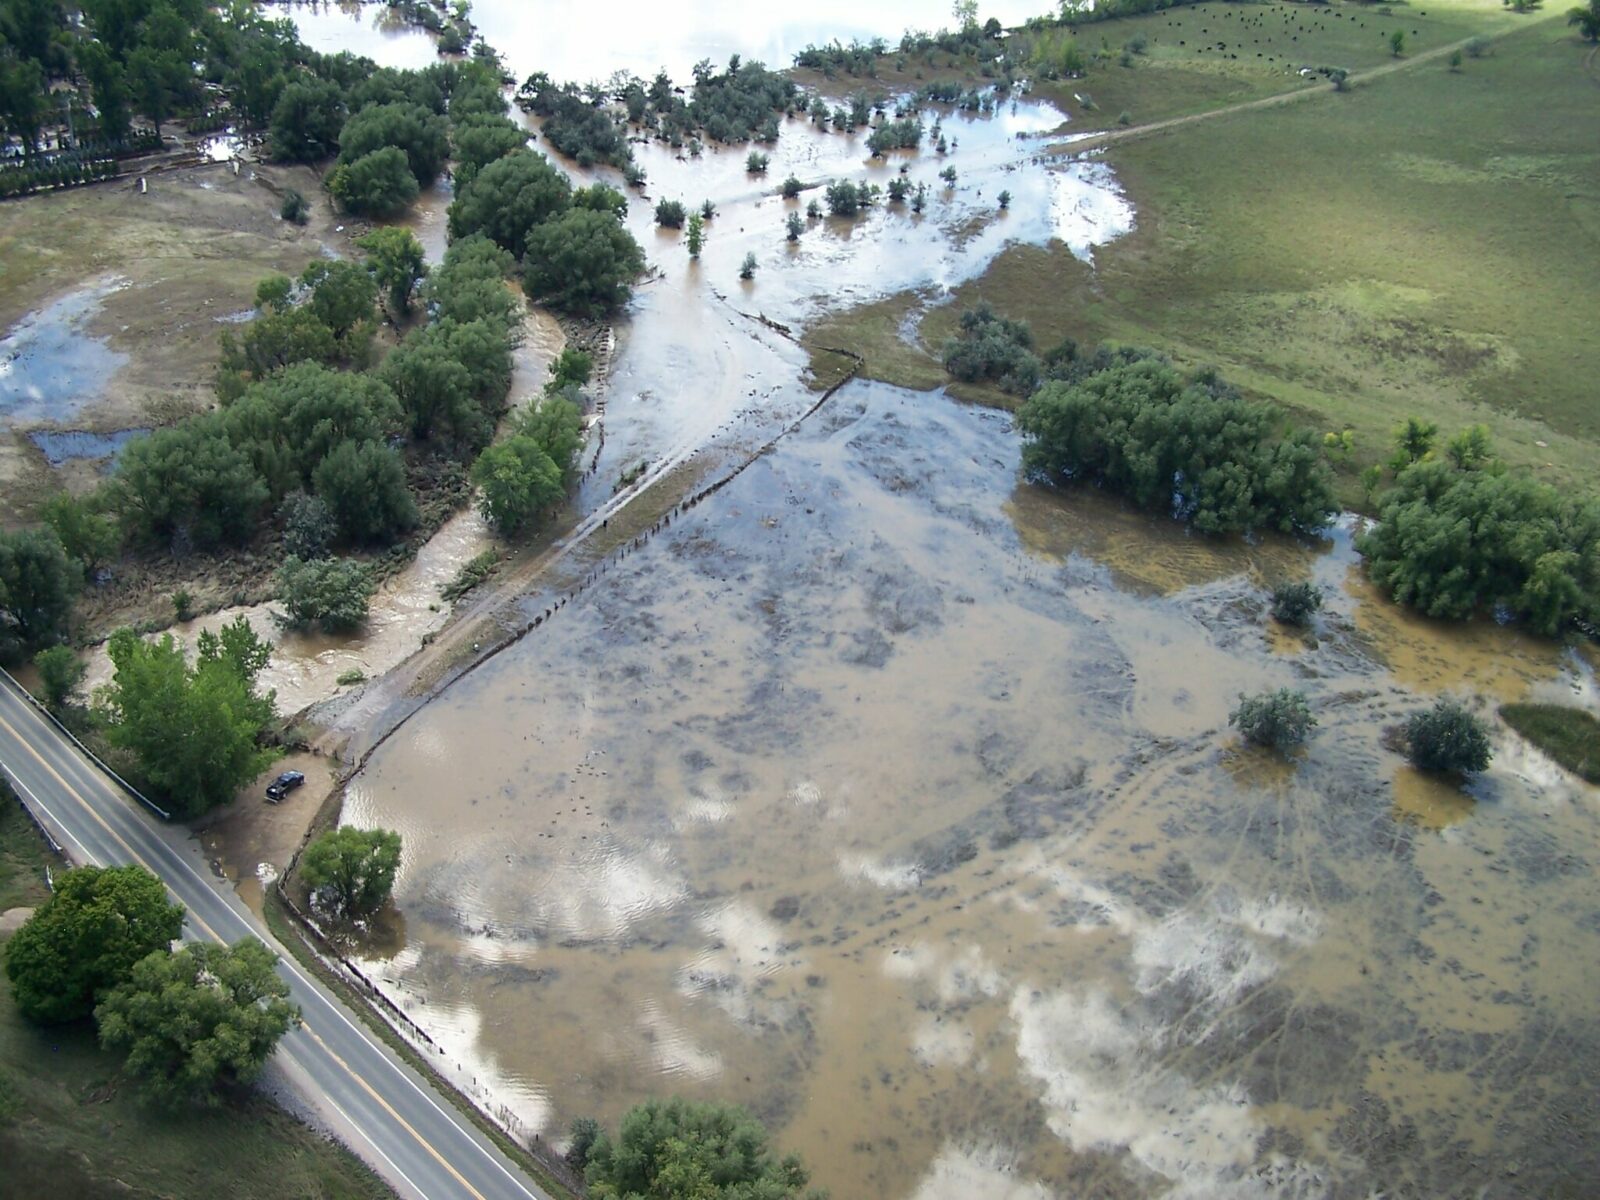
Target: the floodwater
(61, 446)
(51, 365)
(896, 800)
(582, 43)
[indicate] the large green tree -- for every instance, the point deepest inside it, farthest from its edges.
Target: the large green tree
(379, 184)
(582, 262)
(86, 938)
(395, 259)
(87, 534)
(508, 197)
(193, 729)
(37, 585)
(1455, 543)
(364, 486)
(679, 1150)
(1188, 446)
(434, 389)
(199, 1018)
(481, 140)
(306, 121)
(351, 871)
(517, 483)
(330, 592)
(422, 135)
(191, 484)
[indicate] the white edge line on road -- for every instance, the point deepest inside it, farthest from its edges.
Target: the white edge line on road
(490, 1153)
(354, 1126)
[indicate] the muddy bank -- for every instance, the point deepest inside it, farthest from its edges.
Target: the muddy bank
(897, 802)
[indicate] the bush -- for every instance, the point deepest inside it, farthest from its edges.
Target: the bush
(364, 487)
(992, 348)
(60, 673)
(747, 269)
(791, 188)
(845, 199)
(1184, 445)
(182, 605)
(756, 162)
(379, 184)
(473, 572)
(330, 592)
(670, 214)
(1447, 737)
(1294, 603)
(1278, 719)
(294, 208)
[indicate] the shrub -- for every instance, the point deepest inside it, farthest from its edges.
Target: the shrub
(1294, 603)
(670, 214)
(1278, 719)
(308, 526)
(1186, 445)
(747, 269)
(992, 348)
(756, 162)
(845, 198)
(791, 188)
(1447, 737)
(182, 604)
(60, 673)
(473, 572)
(294, 208)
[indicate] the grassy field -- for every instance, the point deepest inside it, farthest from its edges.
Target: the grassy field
(1568, 735)
(1424, 244)
(70, 1125)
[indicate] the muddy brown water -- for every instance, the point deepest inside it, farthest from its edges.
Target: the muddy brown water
(895, 799)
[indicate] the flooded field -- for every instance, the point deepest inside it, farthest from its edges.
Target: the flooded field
(895, 799)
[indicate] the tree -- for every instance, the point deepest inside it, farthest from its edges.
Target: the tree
(434, 389)
(192, 730)
(1456, 59)
(556, 426)
(794, 226)
(60, 673)
(1586, 20)
(518, 482)
(482, 140)
(1278, 719)
(308, 525)
(342, 296)
(86, 938)
(196, 1019)
(1455, 543)
(747, 269)
(37, 585)
(1295, 603)
(791, 188)
(756, 163)
(696, 238)
(330, 592)
(1189, 446)
(601, 198)
(423, 136)
(1397, 42)
(1470, 449)
(364, 486)
(351, 871)
(379, 184)
(992, 347)
(395, 259)
(22, 101)
(680, 1149)
(1447, 737)
(570, 366)
(509, 198)
(306, 121)
(582, 262)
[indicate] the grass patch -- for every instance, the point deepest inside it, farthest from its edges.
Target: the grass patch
(473, 572)
(1420, 246)
(1568, 735)
(71, 1126)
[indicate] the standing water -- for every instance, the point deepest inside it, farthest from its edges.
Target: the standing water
(895, 799)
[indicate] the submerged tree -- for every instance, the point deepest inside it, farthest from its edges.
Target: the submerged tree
(351, 871)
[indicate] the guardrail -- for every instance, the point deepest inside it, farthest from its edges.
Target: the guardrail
(7, 679)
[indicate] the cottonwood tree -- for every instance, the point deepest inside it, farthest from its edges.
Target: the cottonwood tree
(395, 260)
(191, 728)
(37, 585)
(197, 1019)
(508, 198)
(351, 871)
(86, 938)
(582, 262)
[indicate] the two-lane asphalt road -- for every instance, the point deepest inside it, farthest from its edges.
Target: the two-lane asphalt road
(388, 1113)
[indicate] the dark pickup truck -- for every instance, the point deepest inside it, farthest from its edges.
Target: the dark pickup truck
(283, 785)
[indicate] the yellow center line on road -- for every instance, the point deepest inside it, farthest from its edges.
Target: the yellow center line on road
(137, 858)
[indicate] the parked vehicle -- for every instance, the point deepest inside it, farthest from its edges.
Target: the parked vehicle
(283, 785)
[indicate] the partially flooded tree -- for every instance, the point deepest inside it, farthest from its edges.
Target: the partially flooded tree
(1448, 738)
(1277, 719)
(351, 871)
